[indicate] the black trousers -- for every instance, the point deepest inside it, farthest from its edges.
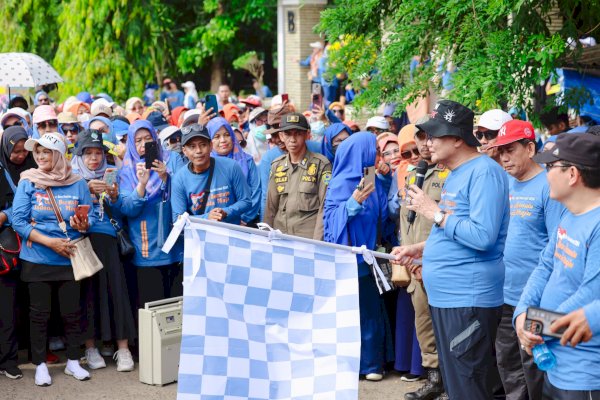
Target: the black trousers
(521, 378)
(158, 283)
(465, 341)
(40, 306)
(8, 320)
(553, 393)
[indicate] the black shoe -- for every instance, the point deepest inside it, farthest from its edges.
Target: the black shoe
(430, 390)
(12, 372)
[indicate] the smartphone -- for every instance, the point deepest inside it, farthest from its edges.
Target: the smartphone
(538, 322)
(369, 175)
(110, 176)
(151, 153)
(211, 102)
(82, 211)
(317, 100)
(285, 97)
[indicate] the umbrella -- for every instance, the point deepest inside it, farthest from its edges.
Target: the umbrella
(26, 70)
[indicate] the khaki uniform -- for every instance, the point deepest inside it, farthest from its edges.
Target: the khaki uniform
(296, 195)
(419, 232)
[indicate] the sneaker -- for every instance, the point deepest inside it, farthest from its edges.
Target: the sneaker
(56, 344)
(124, 360)
(12, 372)
(107, 350)
(94, 359)
(373, 377)
(42, 376)
(410, 378)
(74, 369)
(51, 358)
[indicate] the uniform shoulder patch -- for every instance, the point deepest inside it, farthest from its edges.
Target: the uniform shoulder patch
(326, 177)
(443, 174)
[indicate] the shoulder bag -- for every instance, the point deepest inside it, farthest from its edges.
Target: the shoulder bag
(124, 243)
(84, 261)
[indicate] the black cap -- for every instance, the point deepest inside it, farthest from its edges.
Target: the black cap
(90, 138)
(577, 148)
(191, 131)
(157, 120)
(450, 118)
(293, 121)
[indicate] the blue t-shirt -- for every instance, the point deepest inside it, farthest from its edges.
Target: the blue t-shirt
(533, 215)
(228, 190)
(149, 224)
(592, 314)
(462, 262)
(566, 279)
(32, 210)
(175, 99)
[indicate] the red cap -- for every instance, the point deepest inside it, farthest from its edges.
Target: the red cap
(514, 130)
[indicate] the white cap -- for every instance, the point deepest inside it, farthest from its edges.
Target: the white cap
(316, 45)
(14, 112)
(378, 122)
(52, 141)
(101, 106)
(188, 85)
(166, 133)
(255, 113)
(494, 119)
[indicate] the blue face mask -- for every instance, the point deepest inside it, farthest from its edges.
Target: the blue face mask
(317, 130)
(259, 133)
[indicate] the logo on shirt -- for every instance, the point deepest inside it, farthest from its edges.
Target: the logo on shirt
(562, 235)
(196, 200)
(312, 169)
(42, 199)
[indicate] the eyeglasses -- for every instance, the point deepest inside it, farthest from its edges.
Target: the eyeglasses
(186, 130)
(488, 135)
(407, 154)
(549, 166)
(70, 128)
(390, 153)
(273, 126)
(16, 123)
(48, 124)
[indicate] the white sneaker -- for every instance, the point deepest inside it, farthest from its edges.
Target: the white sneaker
(74, 369)
(374, 377)
(94, 359)
(124, 360)
(42, 376)
(55, 344)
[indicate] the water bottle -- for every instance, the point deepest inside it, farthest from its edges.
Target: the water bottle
(543, 357)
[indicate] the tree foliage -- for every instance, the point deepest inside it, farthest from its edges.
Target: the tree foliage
(502, 48)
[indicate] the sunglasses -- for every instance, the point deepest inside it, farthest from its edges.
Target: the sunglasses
(341, 112)
(70, 128)
(175, 139)
(48, 124)
(186, 130)
(408, 153)
(17, 123)
(488, 135)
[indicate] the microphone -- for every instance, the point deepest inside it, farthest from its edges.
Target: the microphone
(421, 171)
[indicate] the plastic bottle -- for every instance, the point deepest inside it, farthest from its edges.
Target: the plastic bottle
(543, 357)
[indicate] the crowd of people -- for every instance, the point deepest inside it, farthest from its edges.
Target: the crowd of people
(484, 219)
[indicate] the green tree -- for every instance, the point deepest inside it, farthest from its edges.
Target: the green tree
(502, 48)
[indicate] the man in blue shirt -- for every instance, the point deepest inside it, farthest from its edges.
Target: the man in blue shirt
(567, 277)
(533, 216)
(171, 95)
(463, 271)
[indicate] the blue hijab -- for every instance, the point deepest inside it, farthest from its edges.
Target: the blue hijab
(330, 133)
(354, 154)
(127, 175)
(110, 136)
(237, 153)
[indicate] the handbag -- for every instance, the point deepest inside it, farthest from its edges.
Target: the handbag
(84, 260)
(10, 247)
(124, 243)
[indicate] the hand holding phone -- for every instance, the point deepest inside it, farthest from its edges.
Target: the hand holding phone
(110, 176)
(150, 154)
(211, 102)
(285, 97)
(82, 211)
(369, 174)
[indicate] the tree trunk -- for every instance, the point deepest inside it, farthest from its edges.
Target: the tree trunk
(216, 74)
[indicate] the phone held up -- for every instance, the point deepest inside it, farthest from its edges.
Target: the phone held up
(150, 154)
(368, 176)
(82, 211)
(211, 102)
(110, 176)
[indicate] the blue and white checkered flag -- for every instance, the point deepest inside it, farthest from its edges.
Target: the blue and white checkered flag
(267, 319)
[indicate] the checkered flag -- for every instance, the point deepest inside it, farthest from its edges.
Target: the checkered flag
(267, 319)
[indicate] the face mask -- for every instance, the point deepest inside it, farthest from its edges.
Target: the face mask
(176, 147)
(317, 130)
(259, 133)
(84, 117)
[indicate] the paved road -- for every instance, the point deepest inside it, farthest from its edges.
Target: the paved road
(108, 384)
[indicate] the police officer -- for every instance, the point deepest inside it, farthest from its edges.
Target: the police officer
(297, 183)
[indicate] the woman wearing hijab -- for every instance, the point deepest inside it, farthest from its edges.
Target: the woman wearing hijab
(105, 294)
(46, 264)
(177, 116)
(225, 144)
(352, 214)
(191, 95)
(335, 134)
(145, 195)
(134, 105)
(14, 159)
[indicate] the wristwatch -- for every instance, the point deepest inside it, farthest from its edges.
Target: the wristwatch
(438, 217)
